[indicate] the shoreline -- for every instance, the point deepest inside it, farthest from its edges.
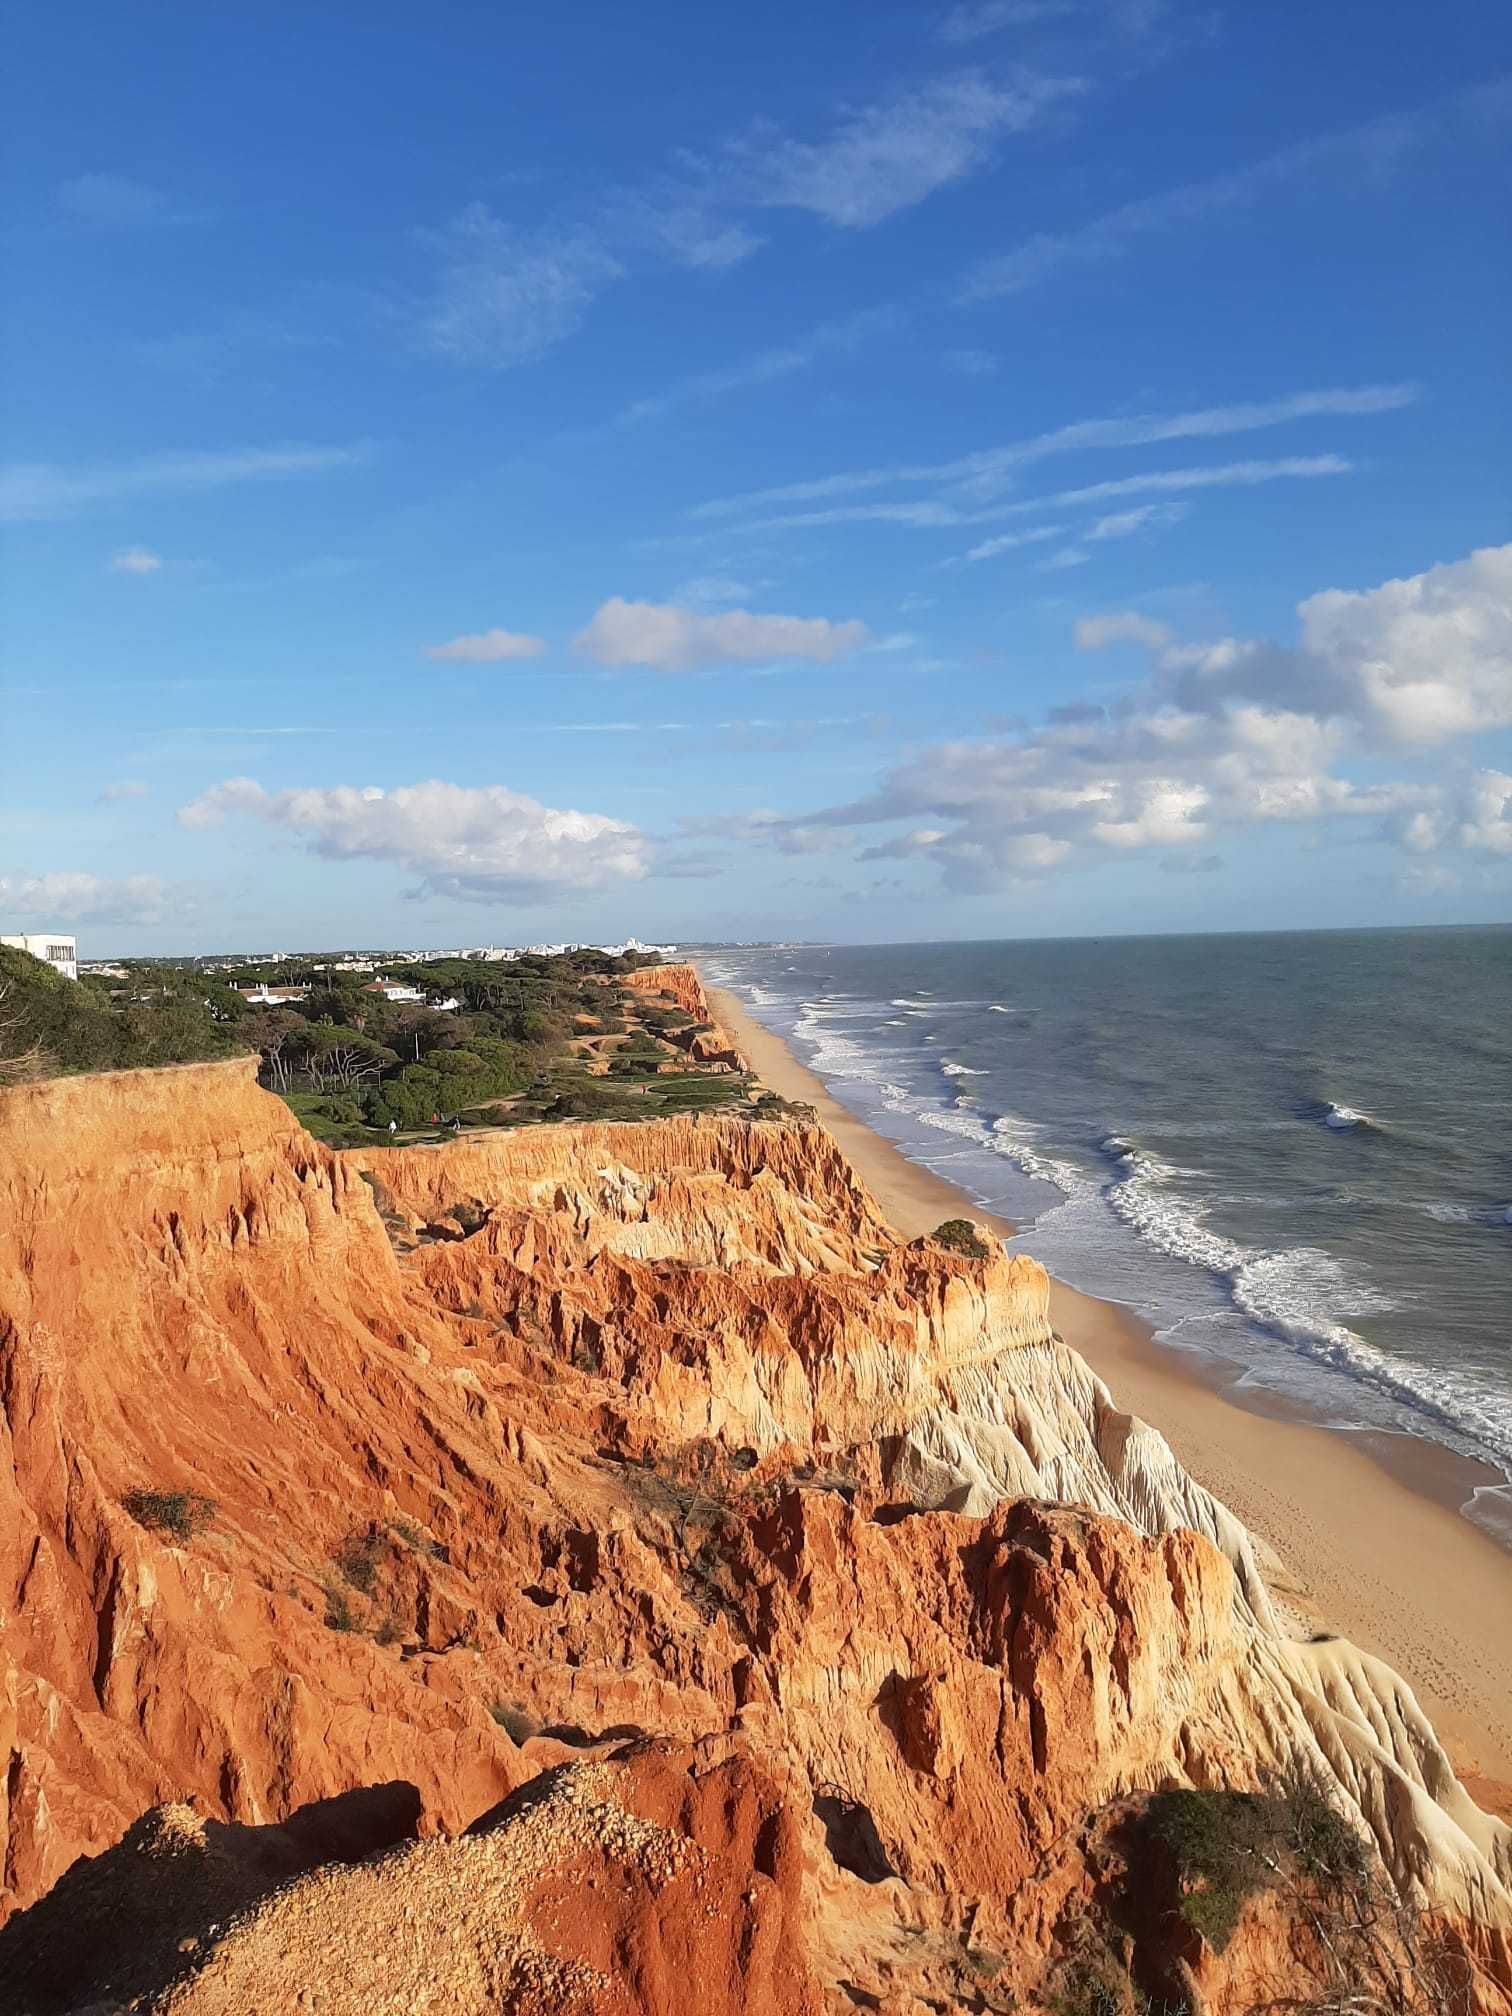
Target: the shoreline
(1355, 1532)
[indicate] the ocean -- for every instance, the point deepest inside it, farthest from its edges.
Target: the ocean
(1292, 1152)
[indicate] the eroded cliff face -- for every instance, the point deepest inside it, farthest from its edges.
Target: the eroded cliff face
(644, 1451)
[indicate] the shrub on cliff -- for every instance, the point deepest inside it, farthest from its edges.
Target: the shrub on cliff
(1228, 1846)
(959, 1235)
(179, 1514)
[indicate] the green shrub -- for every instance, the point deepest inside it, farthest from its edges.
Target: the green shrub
(1226, 1848)
(358, 1557)
(340, 1615)
(959, 1235)
(180, 1514)
(411, 1535)
(1322, 1842)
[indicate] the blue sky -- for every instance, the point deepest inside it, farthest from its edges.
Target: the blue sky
(1017, 467)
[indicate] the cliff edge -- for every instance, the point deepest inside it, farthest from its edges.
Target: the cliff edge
(695, 1596)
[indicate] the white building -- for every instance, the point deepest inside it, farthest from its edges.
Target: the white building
(50, 946)
(394, 990)
(264, 996)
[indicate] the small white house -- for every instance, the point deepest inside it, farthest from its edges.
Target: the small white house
(394, 990)
(264, 996)
(50, 946)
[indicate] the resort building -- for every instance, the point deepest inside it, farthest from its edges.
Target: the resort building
(264, 996)
(52, 947)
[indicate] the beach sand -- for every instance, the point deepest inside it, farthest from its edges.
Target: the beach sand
(1365, 1531)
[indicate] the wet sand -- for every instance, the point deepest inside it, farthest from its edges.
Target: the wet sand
(1364, 1531)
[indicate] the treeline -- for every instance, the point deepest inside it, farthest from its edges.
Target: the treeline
(49, 1024)
(347, 1057)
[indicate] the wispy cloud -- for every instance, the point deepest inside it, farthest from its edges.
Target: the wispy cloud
(34, 490)
(840, 338)
(1223, 476)
(888, 156)
(502, 296)
(985, 467)
(975, 19)
(104, 200)
(135, 560)
(1142, 518)
(1367, 152)
(128, 787)
(1007, 542)
(487, 647)
(970, 363)
(930, 513)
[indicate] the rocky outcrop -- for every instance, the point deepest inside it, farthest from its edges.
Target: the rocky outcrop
(705, 1042)
(534, 1455)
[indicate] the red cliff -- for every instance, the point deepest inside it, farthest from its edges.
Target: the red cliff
(783, 1605)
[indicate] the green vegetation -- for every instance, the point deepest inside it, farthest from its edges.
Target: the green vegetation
(959, 1235)
(179, 1514)
(339, 1615)
(411, 1535)
(358, 1559)
(51, 1025)
(538, 1039)
(1228, 1846)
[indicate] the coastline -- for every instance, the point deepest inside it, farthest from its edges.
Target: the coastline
(1357, 1533)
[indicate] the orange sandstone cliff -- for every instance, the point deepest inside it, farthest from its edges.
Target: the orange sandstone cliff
(693, 1596)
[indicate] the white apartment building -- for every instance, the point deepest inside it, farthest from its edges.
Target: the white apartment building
(51, 946)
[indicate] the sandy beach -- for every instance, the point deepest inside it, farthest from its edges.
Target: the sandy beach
(1365, 1531)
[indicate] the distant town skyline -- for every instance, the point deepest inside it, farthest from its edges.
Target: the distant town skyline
(959, 472)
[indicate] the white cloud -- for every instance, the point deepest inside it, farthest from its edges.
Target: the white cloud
(73, 897)
(1487, 824)
(1426, 658)
(1225, 736)
(488, 647)
(671, 639)
(135, 560)
(32, 490)
(986, 467)
(1123, 626)
(127, 787)
(485, 843)
(886, 157)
